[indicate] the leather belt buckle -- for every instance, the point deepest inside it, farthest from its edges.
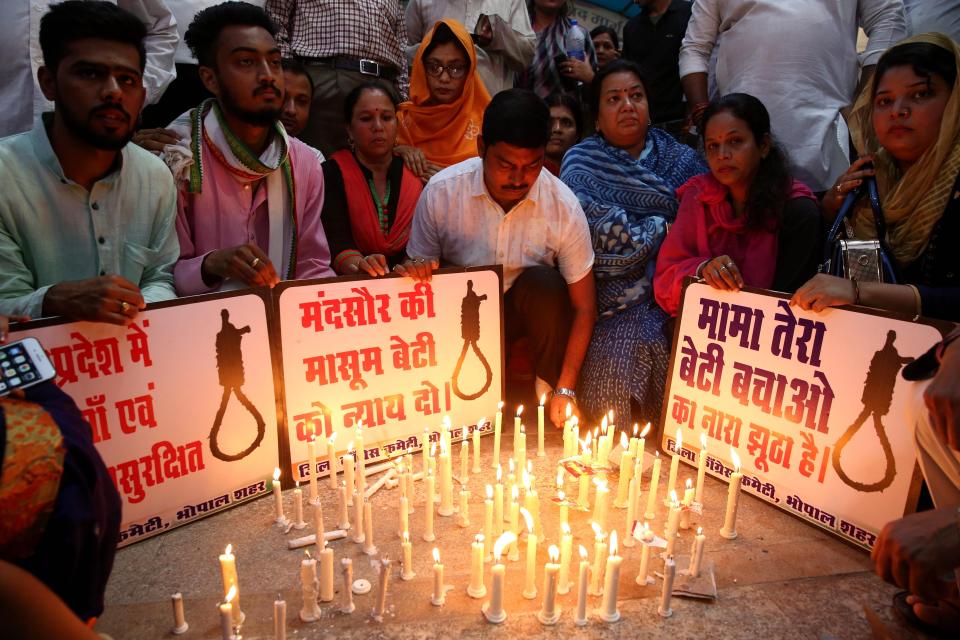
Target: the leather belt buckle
(370, 67)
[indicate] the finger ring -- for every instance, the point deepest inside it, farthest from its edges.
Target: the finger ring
(418, 260)
(723, 268)
(124, 306)
(254, 263)
(840, 188)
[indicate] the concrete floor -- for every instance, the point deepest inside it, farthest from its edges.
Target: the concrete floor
(781, 578)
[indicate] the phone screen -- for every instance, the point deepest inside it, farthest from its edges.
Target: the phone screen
(17, 368)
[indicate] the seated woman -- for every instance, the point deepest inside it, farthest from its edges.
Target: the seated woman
(370, 195)
(907, 124)
(625, 177)
(747, 222)
(440, 124)
(566, 128)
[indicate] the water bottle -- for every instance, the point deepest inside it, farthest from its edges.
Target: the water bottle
(573, 42)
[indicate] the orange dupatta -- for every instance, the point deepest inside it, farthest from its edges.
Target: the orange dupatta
(445, 133)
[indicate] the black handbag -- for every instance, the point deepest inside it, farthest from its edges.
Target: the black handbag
(860, 260)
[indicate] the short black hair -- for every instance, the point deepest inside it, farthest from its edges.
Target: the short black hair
(614, 66)
(610, 31)
(562, 99)
(350, 102)
(518, 117)
(204, 30)
(74, 20)
(927, 60)
(444, 35)
(296, 68)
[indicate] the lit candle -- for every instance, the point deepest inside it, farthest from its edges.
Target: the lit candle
(583, 496)
(476, 588)
(382, 591)
(408, 477)
(464, 461)
(439, 593)
(309, 610)
(564, 508)
(368, 547)
(516, 434)
(669, 574)
(446, 482)
(540, 450)
(601, 447)
(673, 524)
(626, 473)
(298, 522)
(464, 520)
(278, 500)
(404, 517)
(346, 572)
(226, 617)
(608, 609)
(407, 551)
(696, 554)
(514, 553)
(488, 522)
(280, 618)
(675, 462)
(312, 459)
(180, 625)
(326, 575)
(511, 475)
(643, 577)
(549, 613)
(566, 550)
(228, 572)
(425, 450)
(628, 539)
(493, 609)
(497, 427)
(344, 512)
(318, 526)
(581, 617)
(349, 464)
(361, 478)
(634, 440)
(331, 461)
(701, 468)
(601, 508)
(498, 504)
(642, 443)
(729, 530)
(476, 446)
(522, 449)
(599, 555)
(651, 514)
(687, 503)
(428, 534)
(530, 579)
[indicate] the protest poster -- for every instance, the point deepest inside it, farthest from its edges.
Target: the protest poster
(813, 404)
(393, 355)
(181, 404)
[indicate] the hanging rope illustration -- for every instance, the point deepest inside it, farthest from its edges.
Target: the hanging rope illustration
(877, 398)
(230, 371)
(470, 332)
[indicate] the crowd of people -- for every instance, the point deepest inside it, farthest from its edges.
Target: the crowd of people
(600, 169)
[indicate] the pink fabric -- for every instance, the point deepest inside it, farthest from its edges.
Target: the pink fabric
(706, 228)
(227, 214)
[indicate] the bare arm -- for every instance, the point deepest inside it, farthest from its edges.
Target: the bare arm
(583, 298)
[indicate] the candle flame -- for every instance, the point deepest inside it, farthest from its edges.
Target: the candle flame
(446, 422)
(332, 439)
(689, 484)
(528, 518)
(613, 543)
(507, 538)
(489, 492)
(636, 427)
(679, 445)
(231, 594)
(543, 398)
(560, 475)
(601, 484)
(554, 553)
(565, 527)
(307, 553)
(406, 536)
(436, 555)
(703, 440)
(597, 531)
(276, 474)
(228, 550)
(673, 496)
(610, 414)
(561, 495)
(736, 460)
(519, 410)
(530, 467)
(297, 484)
(623, 439)
(583, 553)
(699, 531)
(526, 481)
(511, 465)
(478, 539)
(646, 430)
(499, 474)
(656, 453)
(603, 424)
(350, 448)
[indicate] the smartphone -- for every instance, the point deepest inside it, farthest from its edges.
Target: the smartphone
(23, 364)
(559, 59)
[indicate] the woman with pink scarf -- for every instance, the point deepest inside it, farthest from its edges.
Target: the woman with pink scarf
(747, 222)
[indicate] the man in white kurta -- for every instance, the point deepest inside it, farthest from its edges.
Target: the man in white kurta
(799, 58)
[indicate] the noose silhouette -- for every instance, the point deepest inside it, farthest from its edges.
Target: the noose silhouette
(470, 332)
(230, 371)
(877, 398)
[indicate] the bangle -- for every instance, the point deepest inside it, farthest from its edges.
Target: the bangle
(567, 393)
(917, 304)
(856, 291)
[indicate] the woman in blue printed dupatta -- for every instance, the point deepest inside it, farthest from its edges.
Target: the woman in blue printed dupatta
(552, 70)
(625, 177)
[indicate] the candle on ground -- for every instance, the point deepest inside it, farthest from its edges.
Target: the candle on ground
(280, 618)
(476, 588)
(701, 468)
(514, 553)
(729, 530)
(346, 573)
(180, 625)
(331, 461)
(643, 577)
(344, 512)
(634, 440)
(583, 495)
(626, 473)
(368, 547)
(673, 524)
(407, 552)
(549, 613)
(669, 574)
(522, 449)
(628, 539)
(476, 446)
(493, 609)
(318, 526)
(642, 443)
(675, 462)
(517, 425)
(488, 522)
(309, 585)
(361, 477)
(581, 617)
(564, 508)
(425, 450)
(464, 461)
(599, 556)
(298, 522)
(228, 572)
(608, 608)
(687, 503)
(349, 464)
(358, 530)
(530, 577)
(651, 513)
(439, 593)
(497, 427)
(601, 506)
(381, 606)
(279, 518)
(446, 482)
(696, 553)
(227, 617)
(312, 459)
(326, 575)
(540, 450)
(428, 534)
(566, 550)
(498, 504)
(464, 520)
(404, 518)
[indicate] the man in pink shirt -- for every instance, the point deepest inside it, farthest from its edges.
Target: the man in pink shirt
(249, 196)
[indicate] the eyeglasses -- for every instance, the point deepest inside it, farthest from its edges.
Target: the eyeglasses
(436, 69)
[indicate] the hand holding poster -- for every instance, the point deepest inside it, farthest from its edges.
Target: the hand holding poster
(813, 404)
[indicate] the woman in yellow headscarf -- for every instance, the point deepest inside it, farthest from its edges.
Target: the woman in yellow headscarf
(440, 124)
(906, 126)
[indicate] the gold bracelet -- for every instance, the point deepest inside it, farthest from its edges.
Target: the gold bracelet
(917, 303)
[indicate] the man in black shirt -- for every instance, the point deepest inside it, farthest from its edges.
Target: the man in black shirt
(652, 39)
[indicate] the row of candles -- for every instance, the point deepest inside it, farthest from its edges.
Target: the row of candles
(494, 540)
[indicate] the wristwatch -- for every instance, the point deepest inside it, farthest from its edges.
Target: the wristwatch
(564, 391)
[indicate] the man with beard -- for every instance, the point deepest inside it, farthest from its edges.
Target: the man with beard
(249, 196)
(86, 220)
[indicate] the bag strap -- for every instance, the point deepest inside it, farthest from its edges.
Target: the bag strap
(829, 247)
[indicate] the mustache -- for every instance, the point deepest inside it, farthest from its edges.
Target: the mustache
(105, 108)
(267, 87)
